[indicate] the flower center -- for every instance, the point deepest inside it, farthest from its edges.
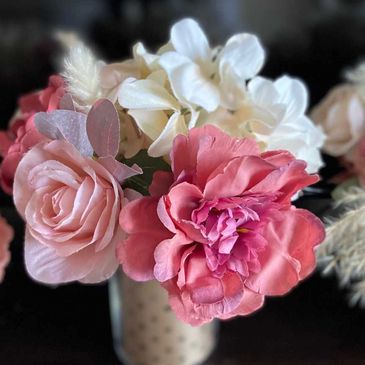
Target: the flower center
(231, 228)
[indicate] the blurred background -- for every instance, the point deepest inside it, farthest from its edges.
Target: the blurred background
(314, 40)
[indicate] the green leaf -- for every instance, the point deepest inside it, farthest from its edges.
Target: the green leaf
(149, 165)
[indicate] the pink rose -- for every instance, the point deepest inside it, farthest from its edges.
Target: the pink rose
(342, 117)
(220, 232)
(6, 236)
(71, 205)
(22, 134)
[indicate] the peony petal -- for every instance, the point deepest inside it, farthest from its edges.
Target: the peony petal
(161, 182)
(291, 235)
(287, 180)
(250, 303)
(168, 255)
(243, 173)
(194, 153)
(135, 254)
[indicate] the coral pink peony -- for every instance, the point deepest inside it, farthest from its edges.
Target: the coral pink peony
(71, 205)
(220, 232)
(22, 134)
(6, 236)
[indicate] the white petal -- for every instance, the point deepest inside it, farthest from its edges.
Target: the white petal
(145, 94)
(232, 93)
(189, 85)
(263, 91)
(144, 58)
(162, 145)
(158, 76)
(151, 122)
(193, 118)
(189, 40)
(293, 94)
(242, 56)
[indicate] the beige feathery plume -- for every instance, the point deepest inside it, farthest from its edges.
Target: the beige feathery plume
(82, 73)
(343, 250)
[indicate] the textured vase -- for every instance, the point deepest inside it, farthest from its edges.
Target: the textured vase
(147, 332)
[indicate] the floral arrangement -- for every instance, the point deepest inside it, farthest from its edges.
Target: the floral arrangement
(180, 166)
(341, 114)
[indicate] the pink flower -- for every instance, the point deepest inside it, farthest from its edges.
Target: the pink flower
(6, 236)
(341, 115)
(22, 134)
(71, 205)
(220, 232)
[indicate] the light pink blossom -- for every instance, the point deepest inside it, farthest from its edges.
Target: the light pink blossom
(6, 236)
(22, 134)
(219, 232)
(71, 205)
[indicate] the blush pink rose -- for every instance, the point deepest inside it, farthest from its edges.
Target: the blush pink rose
(219, 232)
(71, 205)
(6, 236)
(22, 134)
(341, 114)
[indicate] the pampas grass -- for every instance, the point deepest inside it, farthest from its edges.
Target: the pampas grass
(343, 251)
(82, 75)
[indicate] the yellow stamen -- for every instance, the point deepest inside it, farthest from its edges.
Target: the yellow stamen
(242, 230)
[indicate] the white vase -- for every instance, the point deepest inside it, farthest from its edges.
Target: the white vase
(147, 332)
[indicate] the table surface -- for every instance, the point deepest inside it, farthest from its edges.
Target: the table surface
(71, 325)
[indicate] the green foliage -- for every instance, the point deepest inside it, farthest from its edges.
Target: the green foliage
(149, 165)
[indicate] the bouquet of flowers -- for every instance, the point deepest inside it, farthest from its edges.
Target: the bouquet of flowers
(180, 166)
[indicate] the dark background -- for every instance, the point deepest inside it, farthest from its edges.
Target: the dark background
(313, 39)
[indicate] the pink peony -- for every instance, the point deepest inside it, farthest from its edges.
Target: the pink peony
(71, 205)
(220, 232)
(6, 236)
(22, 134)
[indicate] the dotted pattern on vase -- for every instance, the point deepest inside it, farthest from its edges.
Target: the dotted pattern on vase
(152, 335)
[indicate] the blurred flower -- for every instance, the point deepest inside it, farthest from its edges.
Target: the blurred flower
(219, 232)
(22, 134)
(342, 117)
(6, 236)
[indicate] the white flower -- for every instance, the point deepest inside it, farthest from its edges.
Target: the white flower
(273, 113)
(156, 111)
(205, 77)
